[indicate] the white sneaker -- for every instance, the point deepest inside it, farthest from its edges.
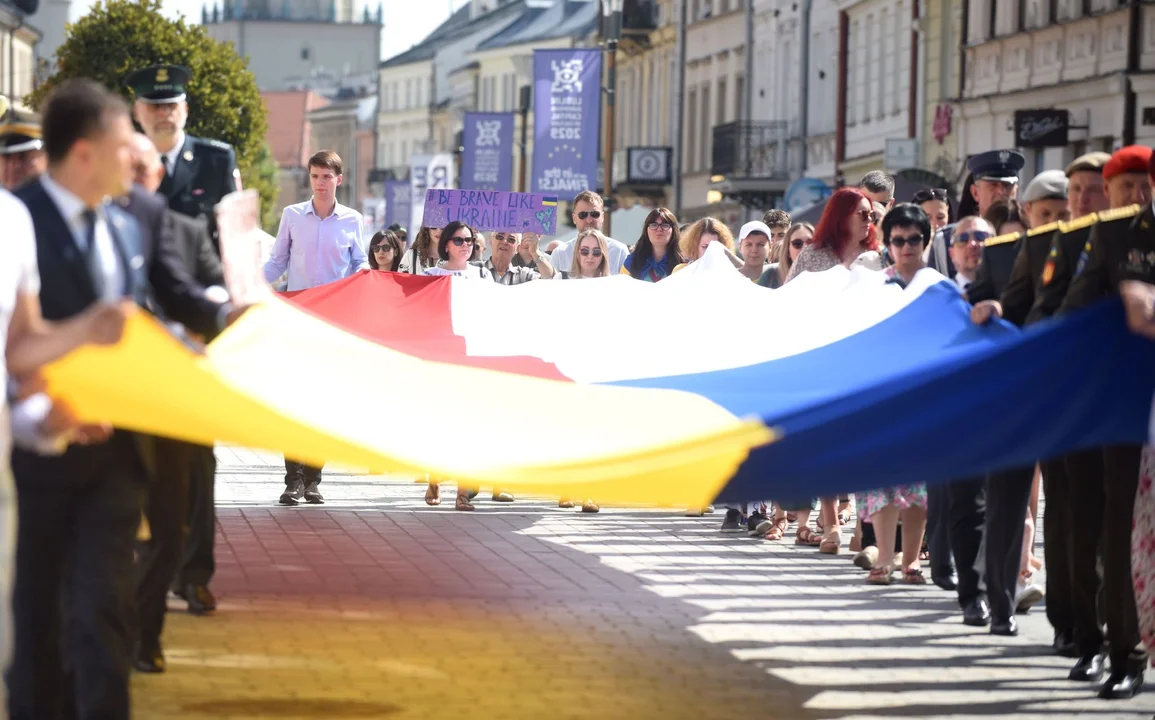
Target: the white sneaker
(1026, 596)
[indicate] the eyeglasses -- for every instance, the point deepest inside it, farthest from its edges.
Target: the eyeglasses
(595, 214)
(912, 240)
(928, 194)
(596, 252)
(797, 243)
(502, 237)
(868, 216)
(382, 248)
(975, 236)
(459, 241)
(662, 226)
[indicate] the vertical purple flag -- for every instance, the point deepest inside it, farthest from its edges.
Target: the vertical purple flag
(567, 88)
(487, 162)
(398, 199)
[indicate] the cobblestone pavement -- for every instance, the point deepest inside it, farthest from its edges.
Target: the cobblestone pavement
(377, 606)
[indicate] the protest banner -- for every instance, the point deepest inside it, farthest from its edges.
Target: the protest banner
(492, 210)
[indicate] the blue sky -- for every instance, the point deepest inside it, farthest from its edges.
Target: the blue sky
(406, 22)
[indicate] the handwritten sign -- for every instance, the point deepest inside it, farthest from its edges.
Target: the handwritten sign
(492, 210)
(240, 238)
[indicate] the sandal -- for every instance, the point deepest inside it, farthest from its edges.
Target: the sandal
(880, 575)
(832, 543)
(775, 533)
(806, 536)
(463, 503)
(792, 517)
(433, 494)
(843, 517)
(913, 576)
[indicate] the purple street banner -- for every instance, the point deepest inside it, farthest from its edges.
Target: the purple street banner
(487, 160)
(397, 201)
(567, 86)
(492, 210)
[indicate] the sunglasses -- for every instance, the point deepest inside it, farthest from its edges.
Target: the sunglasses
(596, 252)
(798, 243)
(382, 248)
(899, 240)
(928, 194)
(595, 214)
(976, 236)
(868, 216)
(663, 226)
(502, 237)
(459, 241)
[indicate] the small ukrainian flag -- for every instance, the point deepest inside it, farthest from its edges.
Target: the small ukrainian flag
(549, 201)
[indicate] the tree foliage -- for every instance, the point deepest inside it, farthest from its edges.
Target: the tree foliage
(119, 36)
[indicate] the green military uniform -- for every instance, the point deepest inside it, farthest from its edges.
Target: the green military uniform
(1060, 266)
(1025, 283)
(205, 170)
(1121, 246)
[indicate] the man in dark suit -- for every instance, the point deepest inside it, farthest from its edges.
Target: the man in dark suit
(198, 173)
(169, 461)
(79, 511)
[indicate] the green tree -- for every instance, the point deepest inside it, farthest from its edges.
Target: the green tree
(119, 36)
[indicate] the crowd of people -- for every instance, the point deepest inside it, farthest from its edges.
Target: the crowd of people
(88, 582)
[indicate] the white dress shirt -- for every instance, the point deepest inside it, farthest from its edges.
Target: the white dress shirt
(562, 256)
(962, 281)
(18, 276)
(72, 210)
(317, 250)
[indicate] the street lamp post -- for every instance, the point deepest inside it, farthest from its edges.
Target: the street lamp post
(611, 34)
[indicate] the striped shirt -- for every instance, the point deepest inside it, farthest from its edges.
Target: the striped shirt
(513, 276)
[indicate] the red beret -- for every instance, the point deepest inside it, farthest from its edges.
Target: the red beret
(1129, 159)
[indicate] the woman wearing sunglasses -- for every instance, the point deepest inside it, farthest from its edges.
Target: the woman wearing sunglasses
(385, 251)
(797, 237)
(591, 258)
(845, 231)
(455, 249)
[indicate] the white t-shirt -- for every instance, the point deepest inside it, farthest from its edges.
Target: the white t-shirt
(562, 256)
(18, 274)
(470, 271)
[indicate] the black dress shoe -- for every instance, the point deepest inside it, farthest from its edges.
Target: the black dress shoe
(945, 580)
(313, 495)
(149, 661)
(1065, 646)
(977, 613)
(1008, 627)
(1122, 685)
(1089, 668)
(200, 599)
(294, 491)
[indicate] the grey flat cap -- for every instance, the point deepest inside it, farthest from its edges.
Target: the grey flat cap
(1047, 185)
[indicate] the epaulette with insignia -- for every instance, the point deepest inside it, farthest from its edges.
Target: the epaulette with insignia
(1044, 229)
(1002, 239)
(1081, 223)
(1120, 213)
(216, 144)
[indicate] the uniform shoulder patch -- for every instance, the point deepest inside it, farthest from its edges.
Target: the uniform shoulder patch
(1080, 224)
(1002, 239)
(1044, 229)
(1122, 213)
(215, 144)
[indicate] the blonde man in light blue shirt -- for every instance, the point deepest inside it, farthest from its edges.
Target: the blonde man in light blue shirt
(320, 241)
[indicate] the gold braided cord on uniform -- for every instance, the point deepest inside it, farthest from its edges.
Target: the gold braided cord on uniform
(1120, 213)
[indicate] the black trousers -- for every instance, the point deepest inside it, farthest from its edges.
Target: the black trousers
(1058, 544)
(1088, 502)
(1120, 482)
(966, 513)
(306, 473)
(1008, 497)
(938, 530)
(198, 564)
(73, 596)
(166, 509)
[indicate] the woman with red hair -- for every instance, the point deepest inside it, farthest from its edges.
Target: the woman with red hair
(845, 231)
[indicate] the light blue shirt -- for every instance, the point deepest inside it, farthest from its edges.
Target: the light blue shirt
(316, 250)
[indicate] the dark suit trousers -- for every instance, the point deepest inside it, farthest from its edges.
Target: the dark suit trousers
(966, 513)
(1085, 472)
(1008, 495)
(1120, 482)
(166, 509)
(306, 473)
(1058, 544)
(73, 596)
(198, 565)
(938, 530)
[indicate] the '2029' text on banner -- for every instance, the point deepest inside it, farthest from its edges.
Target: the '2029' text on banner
(487, 157)
(566, 120)
(494, 211)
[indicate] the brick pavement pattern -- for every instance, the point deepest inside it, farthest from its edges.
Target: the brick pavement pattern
(375, 605)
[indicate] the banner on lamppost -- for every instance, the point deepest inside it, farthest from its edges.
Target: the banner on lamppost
(426, 172)
(398, 200)
(487, 159)
(567, 88)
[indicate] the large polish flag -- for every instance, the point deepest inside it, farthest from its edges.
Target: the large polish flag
(701, 386)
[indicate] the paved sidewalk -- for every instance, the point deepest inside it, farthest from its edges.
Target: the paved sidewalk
(377, 606)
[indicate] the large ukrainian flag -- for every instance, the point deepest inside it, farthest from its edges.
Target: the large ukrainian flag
(675, 392)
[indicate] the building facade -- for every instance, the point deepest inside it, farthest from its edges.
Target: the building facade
(939, 141)
(290, 137)
(18, 38)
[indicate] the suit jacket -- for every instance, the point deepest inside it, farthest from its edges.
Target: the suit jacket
(196, 249)
(205, 172)
(180, 297)
(1025, 283)
(994, 271)
(1121, 247)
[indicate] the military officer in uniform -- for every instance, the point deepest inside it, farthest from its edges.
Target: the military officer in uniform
(21, 152)
(1120, 246)
(198, 173)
